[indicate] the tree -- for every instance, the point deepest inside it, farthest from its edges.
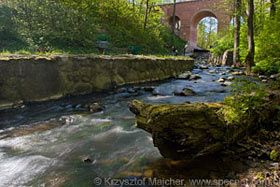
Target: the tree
(146, 14)
(250, 35)
(236, 56)
(174, 17)
(272, 8)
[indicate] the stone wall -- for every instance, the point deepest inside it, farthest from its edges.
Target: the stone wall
(41, 78)
(226, 59)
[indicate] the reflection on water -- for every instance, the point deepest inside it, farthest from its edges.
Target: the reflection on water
(45, 144)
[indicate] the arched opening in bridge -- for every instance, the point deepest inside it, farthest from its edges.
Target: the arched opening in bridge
(207, 30)
(210, 22)
(178, 24)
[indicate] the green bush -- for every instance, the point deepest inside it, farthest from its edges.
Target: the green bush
(246, 100)
(267, 66)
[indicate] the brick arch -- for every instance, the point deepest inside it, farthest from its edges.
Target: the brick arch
(191, 12)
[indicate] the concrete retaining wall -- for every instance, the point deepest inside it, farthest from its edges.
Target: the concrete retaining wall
(41, 78)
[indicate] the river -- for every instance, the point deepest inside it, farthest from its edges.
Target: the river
(37, 150)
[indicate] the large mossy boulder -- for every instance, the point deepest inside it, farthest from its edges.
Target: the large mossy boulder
(187, 131)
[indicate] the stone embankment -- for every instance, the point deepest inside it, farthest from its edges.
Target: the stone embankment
(41, 78)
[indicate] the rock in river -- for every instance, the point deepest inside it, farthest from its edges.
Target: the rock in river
(185, 92)
(195, 77)
(221, 80)
(238, 73)
(203, 67)
(95, 107)
(185, 75)
(187, 131)
(231, 78)
(226, 83)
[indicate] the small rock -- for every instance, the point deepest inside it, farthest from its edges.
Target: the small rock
(230, 70)
(185, 75)
(213, 71)
(262, 77)
(203, 67)
(238, 73)
(19, 105)
(95, 107)
(264, 81)
(230, 78)
(221, 80)
(275, 165)
(185, 92)
(195, 77)
(226, 83)
(275, 76)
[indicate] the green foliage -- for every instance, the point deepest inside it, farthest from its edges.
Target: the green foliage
(268, 47)
(267, 38)
(224, 43)
(8, 36)
(207, 32)
(274, 155)
(268, 65)
(73, 26)
(246, 101)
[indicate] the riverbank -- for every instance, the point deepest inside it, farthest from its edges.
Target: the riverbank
(42, 78)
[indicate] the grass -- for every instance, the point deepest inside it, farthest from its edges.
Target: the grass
(57, 52)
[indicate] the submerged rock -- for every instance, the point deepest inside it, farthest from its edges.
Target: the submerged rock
(213, 71)
(203, 67)
(221, 80)
(95, 107)
(275, 76)
(231, 78)
(185, 75)
(262, 77)
(185, 92)
(195, 77)
(238, 73)
(226, 83)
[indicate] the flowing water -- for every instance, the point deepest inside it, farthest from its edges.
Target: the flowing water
(45, 144)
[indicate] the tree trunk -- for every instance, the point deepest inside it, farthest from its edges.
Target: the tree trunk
(174, 17)
(146, 14)
(251, 45)
(272, 8)
(236, 57)
(133, 4)
(187, 131)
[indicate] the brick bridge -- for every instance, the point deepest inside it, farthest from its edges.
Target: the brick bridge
(189, 14)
